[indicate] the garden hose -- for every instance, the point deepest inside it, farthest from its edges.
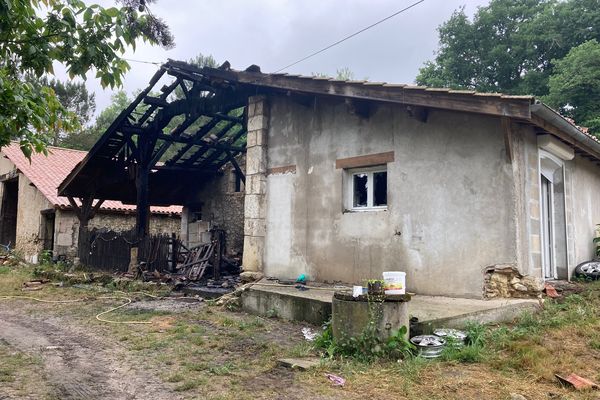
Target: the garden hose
(98, 316)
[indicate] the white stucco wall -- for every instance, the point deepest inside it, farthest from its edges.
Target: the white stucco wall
(451, 196)
(585, 200)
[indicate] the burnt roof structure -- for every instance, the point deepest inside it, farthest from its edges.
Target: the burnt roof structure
(164, 142)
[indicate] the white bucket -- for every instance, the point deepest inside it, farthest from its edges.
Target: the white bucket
(394, 282)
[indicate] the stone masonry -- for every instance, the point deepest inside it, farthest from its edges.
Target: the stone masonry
(505, 280)
(256, 184)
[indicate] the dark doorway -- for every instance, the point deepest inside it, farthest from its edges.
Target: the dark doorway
(48, 218)
(8, 212)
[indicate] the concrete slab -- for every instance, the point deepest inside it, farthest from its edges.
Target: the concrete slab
(314, 306)
(302, 364)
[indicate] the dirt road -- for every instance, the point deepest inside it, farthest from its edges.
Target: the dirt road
(77, 365)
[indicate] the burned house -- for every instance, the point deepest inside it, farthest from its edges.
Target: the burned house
(34, 218)
(346, 179)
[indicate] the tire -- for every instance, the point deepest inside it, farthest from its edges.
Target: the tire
(589, 270)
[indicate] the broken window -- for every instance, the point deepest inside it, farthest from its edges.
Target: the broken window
(367, 188)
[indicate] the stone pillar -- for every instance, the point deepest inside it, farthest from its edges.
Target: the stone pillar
(256, 184)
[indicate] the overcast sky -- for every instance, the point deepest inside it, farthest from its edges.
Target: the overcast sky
(275, 33)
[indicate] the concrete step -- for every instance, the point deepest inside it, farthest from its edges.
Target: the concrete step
(431, 312)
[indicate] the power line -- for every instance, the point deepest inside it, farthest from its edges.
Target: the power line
(351, 36)
(142, 61)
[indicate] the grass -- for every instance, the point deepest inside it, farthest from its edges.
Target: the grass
(20, 374)
(215, 353)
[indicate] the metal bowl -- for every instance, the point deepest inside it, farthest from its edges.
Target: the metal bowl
(453, 337)
(429, 346)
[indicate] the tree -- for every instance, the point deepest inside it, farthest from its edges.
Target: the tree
(36, 33)
(510, 44)
(75, 99)
(85, 138)
(575, 85)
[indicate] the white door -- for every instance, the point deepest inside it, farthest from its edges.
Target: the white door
(548, 246)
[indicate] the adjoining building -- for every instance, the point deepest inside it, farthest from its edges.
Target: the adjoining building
(471, 194)
(34, 218)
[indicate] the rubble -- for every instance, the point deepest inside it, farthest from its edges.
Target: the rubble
(505, 280)
(251, 276)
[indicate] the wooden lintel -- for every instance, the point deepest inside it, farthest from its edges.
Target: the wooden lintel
(507, 130)
(365, 161)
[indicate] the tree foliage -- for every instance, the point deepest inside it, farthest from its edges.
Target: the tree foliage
(36, 33)
(509, 45)
(523, 47)
(75, 99)
(575, 85)
(85, 138)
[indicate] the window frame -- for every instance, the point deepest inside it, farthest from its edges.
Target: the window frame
(349, 174)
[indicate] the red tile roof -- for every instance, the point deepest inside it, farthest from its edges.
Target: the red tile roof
(47, 172)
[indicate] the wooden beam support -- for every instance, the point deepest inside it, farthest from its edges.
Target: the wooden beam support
(200, 142)
(237, 168)
(507, 130)
(200, 152)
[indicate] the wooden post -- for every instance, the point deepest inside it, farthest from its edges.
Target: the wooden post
(84, 213)
(142, 172)
(143, 204)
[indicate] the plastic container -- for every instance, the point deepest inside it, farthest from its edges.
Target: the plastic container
(394, 282)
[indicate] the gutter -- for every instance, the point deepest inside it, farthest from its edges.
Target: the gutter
(552, 117)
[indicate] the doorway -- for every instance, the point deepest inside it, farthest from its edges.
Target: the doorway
(553, 217)
(8, 212)
(48, 219)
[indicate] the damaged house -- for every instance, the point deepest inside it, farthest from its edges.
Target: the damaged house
(346, 179)
(34, 218)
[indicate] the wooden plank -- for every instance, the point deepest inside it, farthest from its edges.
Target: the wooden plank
(365, 161)
(484, 104)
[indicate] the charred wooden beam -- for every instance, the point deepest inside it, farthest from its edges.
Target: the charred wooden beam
(237, 168)
(214, 157)
(156, 101)
(201, 142)
(200, 152)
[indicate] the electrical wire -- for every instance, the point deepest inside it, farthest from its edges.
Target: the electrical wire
(142, 61)
(351, 35)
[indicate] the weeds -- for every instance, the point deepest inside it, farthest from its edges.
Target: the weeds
(367, 348)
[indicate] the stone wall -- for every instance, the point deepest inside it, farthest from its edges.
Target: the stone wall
(218, 205)
(67, 227)
(505, 280)
(31, 202)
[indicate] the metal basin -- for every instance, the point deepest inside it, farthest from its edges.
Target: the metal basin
(429, 346)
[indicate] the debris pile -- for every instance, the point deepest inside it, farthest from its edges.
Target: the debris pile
(505, 280)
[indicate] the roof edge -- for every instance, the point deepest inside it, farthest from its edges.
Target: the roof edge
(550, 116)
